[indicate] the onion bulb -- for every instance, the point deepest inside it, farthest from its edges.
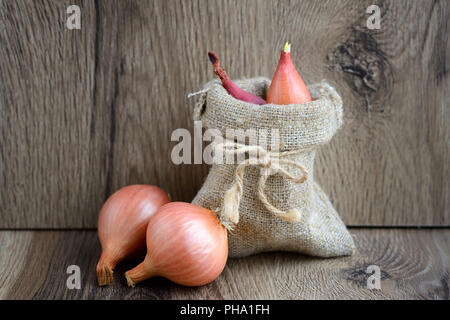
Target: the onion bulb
(185, 244)
(287, 86)
(122, 224)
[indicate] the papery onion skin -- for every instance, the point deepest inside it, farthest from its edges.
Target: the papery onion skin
(122, 225)
(186, 244)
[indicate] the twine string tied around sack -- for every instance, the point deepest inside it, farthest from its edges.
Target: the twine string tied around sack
(270, 163)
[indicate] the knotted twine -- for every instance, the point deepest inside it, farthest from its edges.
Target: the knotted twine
(271, 163)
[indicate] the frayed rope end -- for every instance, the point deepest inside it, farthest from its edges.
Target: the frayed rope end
(192, 94)
(291, 216)
(230, 209)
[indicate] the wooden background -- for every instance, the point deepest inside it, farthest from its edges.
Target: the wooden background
(85, 112)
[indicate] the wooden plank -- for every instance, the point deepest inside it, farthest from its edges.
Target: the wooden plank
(50, 142)
(86, 112)
(413, 264)
(13, 248)
(390, 163)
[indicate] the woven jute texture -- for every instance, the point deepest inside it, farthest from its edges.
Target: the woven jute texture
(273, 204)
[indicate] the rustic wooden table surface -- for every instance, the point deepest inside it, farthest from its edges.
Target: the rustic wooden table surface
(414, 264)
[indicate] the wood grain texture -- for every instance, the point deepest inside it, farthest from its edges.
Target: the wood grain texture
(50, 162)
(85, 112)
(414, 264)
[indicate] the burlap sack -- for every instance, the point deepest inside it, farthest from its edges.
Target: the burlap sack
(274, 204)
